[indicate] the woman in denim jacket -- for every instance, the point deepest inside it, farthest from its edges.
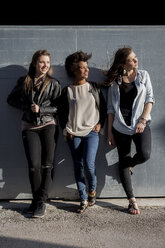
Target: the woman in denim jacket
(82, 113)
(130, 100)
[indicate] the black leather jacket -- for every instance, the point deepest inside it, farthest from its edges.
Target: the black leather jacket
(100, 103)
(47, 101)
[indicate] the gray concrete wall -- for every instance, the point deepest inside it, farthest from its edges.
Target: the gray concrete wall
(17, 45)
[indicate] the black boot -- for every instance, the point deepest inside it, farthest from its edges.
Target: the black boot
(40, 210)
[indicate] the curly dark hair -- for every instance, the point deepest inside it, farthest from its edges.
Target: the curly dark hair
(73, 59)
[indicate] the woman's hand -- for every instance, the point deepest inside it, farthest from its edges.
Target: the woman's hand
(70, 136)
(140, 127)
(110, 139)
(97, 128)
(35, 108)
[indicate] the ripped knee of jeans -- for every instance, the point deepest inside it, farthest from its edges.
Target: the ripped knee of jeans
(47, 166)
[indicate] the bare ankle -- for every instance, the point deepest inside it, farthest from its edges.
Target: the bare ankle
(131, 200)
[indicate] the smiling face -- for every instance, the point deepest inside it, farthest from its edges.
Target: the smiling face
(81, 71)
(42, 65)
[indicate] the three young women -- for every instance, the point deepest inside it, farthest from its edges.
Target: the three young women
(82, 113)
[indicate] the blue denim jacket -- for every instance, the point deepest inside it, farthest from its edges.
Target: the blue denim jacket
(144, 95)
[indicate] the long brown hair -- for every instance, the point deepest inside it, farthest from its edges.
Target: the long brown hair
(116, 70)
(32, 71)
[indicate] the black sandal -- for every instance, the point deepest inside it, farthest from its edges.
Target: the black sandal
(83, 206)
(132, 206)
(92, 198)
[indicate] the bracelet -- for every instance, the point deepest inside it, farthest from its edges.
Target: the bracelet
(143, 119)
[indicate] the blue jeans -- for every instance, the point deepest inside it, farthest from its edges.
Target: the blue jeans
(84, 150)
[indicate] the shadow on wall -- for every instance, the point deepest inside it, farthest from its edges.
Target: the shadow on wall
(159, 130)
(13, 169)
(14, 182)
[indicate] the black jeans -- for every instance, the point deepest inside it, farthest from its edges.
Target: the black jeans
(39, 145)
(142, 143)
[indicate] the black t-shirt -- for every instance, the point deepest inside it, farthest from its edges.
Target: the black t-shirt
(128, 92)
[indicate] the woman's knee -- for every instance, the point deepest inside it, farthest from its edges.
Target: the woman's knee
(140, 157)
(144, 156)
(34, 171)
(47, 168)
(89, 165)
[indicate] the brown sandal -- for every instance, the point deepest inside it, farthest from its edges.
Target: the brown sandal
(83, 206)
(92, 198)
(133, 206)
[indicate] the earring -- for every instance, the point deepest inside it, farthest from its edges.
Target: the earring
(124, 71)
(120, 80)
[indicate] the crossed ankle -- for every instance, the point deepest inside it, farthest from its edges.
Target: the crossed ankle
(92, 193)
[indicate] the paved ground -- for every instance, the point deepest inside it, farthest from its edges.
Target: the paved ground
(105, 225)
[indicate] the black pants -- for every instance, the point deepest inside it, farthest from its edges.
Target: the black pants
(39, 145)
(143, 150)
